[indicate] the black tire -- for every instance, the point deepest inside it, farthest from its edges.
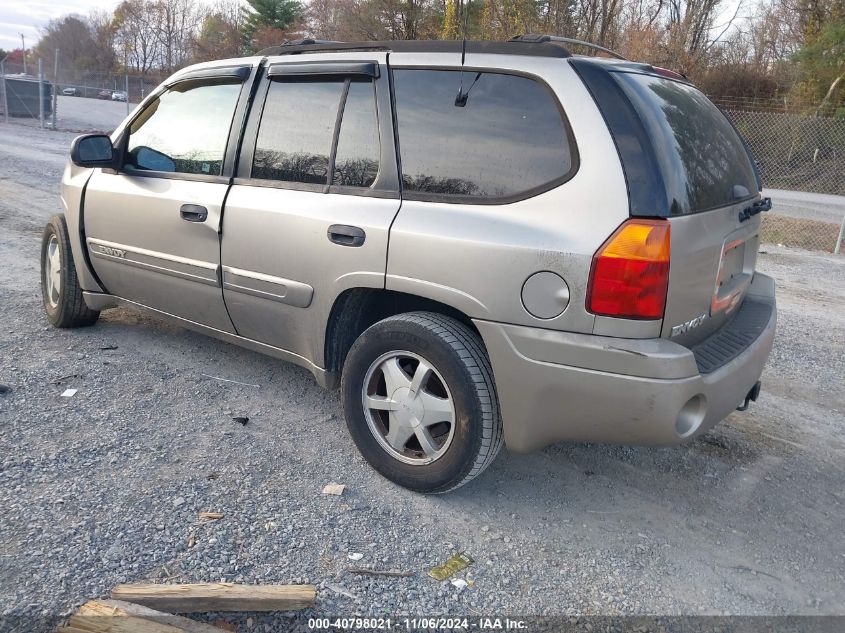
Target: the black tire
(68, 309)
(457, 354)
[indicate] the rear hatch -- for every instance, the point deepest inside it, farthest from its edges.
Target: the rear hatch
(684, 161)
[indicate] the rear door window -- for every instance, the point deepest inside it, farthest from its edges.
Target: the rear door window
(508, 141)
(299, 140)
(702, 158)
(358, 148)
(297, 127)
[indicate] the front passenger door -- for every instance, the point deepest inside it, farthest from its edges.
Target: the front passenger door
(152, 227)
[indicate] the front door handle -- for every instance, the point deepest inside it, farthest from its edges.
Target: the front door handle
(346, 235)
(193, 213)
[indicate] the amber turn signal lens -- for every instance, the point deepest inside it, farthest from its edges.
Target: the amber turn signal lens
(630, 272)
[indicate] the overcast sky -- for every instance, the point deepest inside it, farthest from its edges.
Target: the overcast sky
(28, 16)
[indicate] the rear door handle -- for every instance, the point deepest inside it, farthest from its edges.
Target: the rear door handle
(193, 213)
(346, 235)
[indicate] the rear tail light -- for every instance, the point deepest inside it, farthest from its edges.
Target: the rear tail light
(630, 272)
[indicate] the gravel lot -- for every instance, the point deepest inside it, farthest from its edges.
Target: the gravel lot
(105, 487)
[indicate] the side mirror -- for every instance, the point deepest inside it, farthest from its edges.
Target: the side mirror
(92, 150)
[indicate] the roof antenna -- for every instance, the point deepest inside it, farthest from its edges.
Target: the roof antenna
(461, 99)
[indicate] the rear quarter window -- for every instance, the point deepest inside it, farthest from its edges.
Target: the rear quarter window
(702, 158)
(508, 141)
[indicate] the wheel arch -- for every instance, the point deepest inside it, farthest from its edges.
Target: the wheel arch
(73, 189)
(356, 309)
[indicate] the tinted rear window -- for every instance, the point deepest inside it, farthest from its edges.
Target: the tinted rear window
(702, 159)
(509, 138)
(295, 142)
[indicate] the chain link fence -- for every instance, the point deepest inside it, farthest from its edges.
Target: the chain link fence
(66, 94)
(798, 151)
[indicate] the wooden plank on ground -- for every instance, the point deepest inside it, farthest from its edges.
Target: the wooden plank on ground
(115, 623)
(102, 609)
(192, 598)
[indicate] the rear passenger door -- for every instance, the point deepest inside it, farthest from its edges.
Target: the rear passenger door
(317, 190)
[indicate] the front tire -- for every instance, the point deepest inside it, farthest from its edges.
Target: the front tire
(60, 291)
(420, 402)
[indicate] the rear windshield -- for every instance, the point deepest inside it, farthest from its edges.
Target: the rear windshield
(703, 161)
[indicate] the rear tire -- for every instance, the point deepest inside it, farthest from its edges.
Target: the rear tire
(433, 424)
(60, 291)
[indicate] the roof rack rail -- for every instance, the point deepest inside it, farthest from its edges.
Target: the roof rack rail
(535, 38)
(526, 47)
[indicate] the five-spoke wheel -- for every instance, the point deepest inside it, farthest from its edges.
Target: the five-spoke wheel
(53, 271)
(420, 402)
(60, 291)
(408, 407)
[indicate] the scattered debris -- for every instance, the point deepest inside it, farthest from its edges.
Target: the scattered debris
(456, 563)
(205, 517)
(69, 393)
(376, 572)
(222, 624)
(4, 389)
(213, 476)
(108, 348)
(191, 540)
(356, 556)
(178, 501)
(459, 583)
(753, 572)
(194, 598)
(242, 420)
(340, 590)
(244, 384)
(334, 489)
(104, 616)
(59, 381)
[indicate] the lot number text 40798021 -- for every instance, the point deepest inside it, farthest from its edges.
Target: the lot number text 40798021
(415, 624)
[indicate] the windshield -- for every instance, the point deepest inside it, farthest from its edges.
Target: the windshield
(702, 158)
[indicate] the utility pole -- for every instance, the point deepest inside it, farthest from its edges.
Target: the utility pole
(23, 50)
(55, 88)
(5, 97)
(41, 92)
(126, 77)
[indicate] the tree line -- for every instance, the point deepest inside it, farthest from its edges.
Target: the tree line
(766, 49)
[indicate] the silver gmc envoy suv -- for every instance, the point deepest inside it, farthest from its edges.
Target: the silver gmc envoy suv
(479, 243)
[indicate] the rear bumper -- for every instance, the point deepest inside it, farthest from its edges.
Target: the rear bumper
(556, 386)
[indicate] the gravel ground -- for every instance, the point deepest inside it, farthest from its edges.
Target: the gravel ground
(104, 487)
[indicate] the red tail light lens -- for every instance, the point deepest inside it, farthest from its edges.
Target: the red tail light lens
(630, 272)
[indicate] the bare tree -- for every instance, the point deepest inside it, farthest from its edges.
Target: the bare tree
(136, 37)
(174, 25)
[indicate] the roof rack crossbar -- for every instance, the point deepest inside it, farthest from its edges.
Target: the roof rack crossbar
(536, 38)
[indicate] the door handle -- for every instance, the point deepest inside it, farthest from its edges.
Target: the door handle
(193, 213)
(346, 235)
